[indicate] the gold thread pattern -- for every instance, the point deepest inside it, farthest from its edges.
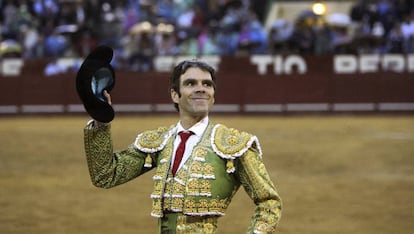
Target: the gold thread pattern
(230, 142)
(152, 139)
(202, 189)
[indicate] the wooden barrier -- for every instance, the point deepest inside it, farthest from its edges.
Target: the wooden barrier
(311, 84)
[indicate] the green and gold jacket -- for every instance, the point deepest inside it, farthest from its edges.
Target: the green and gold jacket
(220, 163)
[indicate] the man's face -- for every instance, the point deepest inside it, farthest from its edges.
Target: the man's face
(197, 93)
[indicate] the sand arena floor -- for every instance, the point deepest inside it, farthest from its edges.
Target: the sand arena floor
(336, 174)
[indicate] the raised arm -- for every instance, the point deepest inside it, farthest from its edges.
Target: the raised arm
(106, 167)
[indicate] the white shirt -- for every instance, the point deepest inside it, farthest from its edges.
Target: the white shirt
(198, 130)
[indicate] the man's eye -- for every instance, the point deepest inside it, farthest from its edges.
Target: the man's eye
(188, 83)
(208, 84)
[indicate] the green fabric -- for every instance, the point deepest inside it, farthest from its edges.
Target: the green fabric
(108, 169)
(178, 223)
(167, 224)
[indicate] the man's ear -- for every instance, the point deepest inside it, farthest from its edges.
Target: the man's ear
(174, 96)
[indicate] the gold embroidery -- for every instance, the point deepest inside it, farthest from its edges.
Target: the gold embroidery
(215, 206)
(178, 189)
(205, 188)
(156, 208)
(161, 167)
(252, 175)
(230, 166)
(230, 141)
(168, 187)
(203, 206)
(190, 206)
(262, 227)
(196, 224)
(196, 169)
(192, 187)
(200, 154)
(152, 139)
(148, 161)
(177, 203)
(208, 172)
(166, 153)
(158, 187)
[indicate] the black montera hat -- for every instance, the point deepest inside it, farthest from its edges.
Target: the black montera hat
(94, 76)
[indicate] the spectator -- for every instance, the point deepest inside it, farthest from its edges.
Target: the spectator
(206, 42)
(303, 39)
(185, 20)
(165, 10)
(46, 10)
(85, 43)
(253, 38)
(407, 30)
(30, 38)
(395, 40)
(54, 68)
(387, 16)
(145, 52)
(227, 39)
(55, 45)
(323, 38)
(165, 40)
(279, 35)
(200, 27)
(9, 13)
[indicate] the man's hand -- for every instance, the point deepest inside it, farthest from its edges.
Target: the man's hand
(108, 97)
(96, 123)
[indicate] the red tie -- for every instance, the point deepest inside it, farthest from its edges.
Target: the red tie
(180, 150)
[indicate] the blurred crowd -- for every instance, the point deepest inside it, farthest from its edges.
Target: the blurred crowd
(138, 30)
(370, 26)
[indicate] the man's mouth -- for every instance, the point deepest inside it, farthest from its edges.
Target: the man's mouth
(199, 98)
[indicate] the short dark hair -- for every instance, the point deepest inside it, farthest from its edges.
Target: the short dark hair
(182, 67)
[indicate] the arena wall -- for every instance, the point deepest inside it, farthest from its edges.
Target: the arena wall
(251, 84)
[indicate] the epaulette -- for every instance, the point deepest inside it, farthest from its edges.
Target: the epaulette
(229, 143)
(152, 141)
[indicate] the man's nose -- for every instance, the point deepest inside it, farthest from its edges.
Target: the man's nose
(200, 87)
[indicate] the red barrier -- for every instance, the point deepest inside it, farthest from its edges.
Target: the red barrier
(241, 87)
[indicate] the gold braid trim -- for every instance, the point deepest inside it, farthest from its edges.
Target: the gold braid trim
(229, 143)
(152, 141)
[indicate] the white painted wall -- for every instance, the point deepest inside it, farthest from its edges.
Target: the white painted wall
(290, 10)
